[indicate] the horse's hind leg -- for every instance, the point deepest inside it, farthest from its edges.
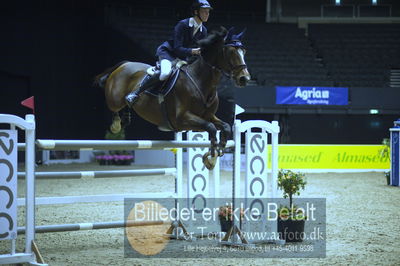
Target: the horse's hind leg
(116, 123)
(126, 117)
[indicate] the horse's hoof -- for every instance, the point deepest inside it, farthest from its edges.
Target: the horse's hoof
(116, 125)
(115, 128)
(222, 145)
(209, 161)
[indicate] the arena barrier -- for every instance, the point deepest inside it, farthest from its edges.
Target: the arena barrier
(395, 154)
(256, 153)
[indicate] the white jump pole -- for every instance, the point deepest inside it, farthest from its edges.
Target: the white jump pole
(30, 183)
(49, 144)
(99, 174)
(90, 226)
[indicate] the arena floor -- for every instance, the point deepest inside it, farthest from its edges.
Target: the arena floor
(363, 220)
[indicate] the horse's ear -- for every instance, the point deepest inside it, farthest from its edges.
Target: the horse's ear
(234, 40)
(229, 35)
(219, 31)
(215, 37)
(240, 35)
(223, 31)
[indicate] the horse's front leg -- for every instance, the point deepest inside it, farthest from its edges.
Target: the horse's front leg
(190, 121)
(226, 130)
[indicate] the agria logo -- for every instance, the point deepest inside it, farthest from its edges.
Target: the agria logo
(311, 94)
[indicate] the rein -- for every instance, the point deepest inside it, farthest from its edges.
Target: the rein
(203, 98)
(231, 71)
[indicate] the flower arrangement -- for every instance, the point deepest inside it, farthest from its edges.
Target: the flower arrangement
(120, 158)
(291, 183)
(104, 159)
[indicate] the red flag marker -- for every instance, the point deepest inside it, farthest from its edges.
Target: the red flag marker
(30, 103)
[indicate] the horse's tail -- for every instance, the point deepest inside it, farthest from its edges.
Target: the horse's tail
(100, 79)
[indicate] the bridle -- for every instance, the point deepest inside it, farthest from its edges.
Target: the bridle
(237, 68)
(231, 68)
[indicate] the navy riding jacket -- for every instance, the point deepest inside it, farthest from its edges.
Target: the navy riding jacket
(182, 42)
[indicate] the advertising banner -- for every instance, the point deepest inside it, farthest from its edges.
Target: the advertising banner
(306, 156)
(312, 95)
(331, 157)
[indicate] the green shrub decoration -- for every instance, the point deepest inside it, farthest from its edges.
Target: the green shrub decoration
(291, 183)
(384, 153)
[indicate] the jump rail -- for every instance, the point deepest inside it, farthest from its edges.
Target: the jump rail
(116, 173)
(48, 144)
(96, 198)
(89, 226)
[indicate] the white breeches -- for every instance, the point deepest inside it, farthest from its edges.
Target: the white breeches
(166, 68)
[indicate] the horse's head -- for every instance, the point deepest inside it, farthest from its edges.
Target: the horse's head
(234, 52)
(224, 50)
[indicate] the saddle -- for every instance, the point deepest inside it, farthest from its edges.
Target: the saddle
(162, 90)
(166, 86)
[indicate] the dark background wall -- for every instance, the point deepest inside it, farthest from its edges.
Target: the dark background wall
(53, 49)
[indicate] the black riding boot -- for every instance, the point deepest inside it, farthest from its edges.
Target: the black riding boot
(147, 83)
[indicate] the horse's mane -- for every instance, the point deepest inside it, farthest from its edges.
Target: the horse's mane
(212, 41)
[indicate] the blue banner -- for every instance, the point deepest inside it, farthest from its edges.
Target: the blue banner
(312, 95)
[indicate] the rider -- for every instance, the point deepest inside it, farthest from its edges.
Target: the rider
(182, 46)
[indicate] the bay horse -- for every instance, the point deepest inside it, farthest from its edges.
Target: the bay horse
(193, 102)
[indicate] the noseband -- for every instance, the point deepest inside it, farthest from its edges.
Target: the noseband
(233, 68)
(236, 68)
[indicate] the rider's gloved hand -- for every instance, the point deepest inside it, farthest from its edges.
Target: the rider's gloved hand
(196, 51)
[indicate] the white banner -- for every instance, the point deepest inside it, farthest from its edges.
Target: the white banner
(198, 182)
(8, 184)
(256, 165)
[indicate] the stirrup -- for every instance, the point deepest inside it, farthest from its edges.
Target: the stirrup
(131, 98)
(152, 70)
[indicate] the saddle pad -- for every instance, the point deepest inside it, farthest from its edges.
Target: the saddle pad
(166, 86)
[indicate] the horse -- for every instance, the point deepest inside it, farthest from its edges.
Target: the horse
(193, 102)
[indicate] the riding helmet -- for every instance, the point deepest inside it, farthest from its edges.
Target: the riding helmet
(200, 4)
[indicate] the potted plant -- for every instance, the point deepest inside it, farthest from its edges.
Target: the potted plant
(226, 216)
(384, 153)
(291, 219)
